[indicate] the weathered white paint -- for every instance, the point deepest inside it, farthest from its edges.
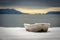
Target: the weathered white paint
(37, 27)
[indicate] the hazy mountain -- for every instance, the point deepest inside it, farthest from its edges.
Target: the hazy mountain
(9, 11)
(54, 12)
(13, 11)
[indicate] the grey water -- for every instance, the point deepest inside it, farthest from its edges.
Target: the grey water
(17, 20)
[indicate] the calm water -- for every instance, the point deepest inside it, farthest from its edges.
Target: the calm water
(19, 19)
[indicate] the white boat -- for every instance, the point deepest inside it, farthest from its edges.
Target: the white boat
(37, 27)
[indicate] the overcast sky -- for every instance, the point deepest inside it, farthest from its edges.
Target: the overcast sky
(30, 3)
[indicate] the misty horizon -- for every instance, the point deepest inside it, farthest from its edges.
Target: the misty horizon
(14, 11)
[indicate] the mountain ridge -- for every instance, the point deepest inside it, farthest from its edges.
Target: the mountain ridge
(13, 11)
(53, 12)
(9, 11)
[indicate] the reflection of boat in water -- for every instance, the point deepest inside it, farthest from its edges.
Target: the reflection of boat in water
(37, 27)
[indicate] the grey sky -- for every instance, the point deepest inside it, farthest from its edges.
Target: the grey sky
(30, 3)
